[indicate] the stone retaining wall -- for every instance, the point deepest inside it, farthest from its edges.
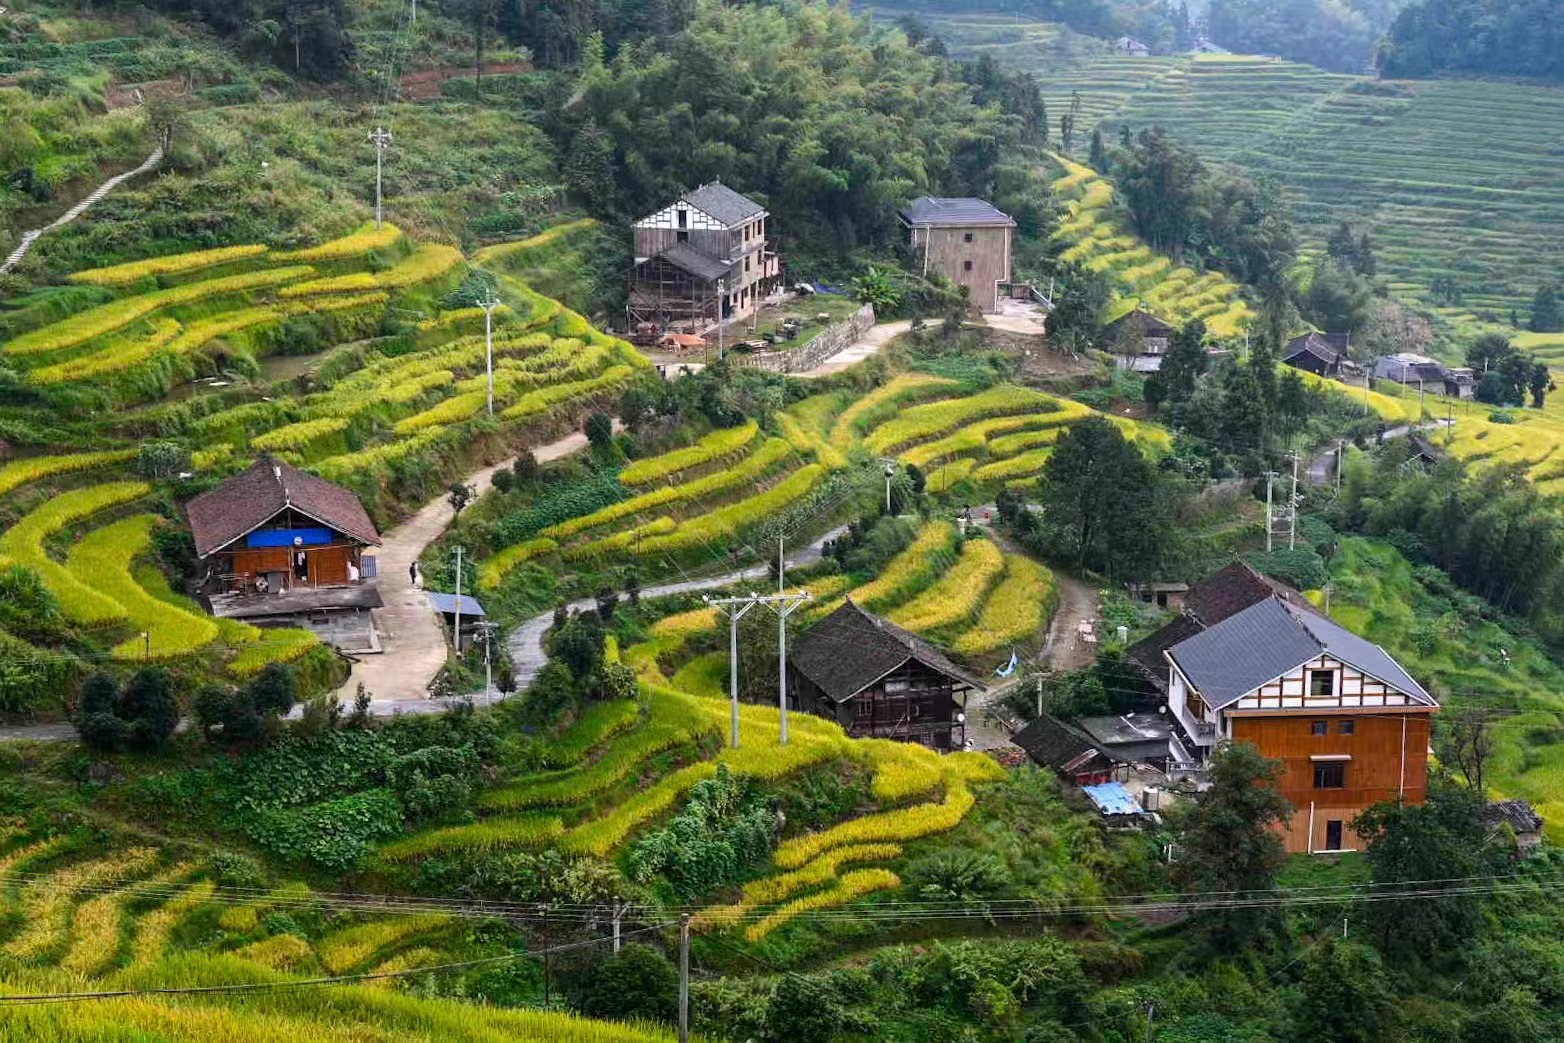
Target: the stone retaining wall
(832, 340)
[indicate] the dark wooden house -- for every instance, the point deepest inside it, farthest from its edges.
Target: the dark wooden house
(969, 241)
(284, 547)
(879, 681)
(1322, 354)
(1066, 749)
(1139, 339)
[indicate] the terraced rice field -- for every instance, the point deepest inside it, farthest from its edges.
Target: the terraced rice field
(415, 403)
(1456, 179)
(1101, 240)
(76, 921)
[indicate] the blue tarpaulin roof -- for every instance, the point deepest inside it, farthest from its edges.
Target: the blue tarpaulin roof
(1112, 798)
(446, 603)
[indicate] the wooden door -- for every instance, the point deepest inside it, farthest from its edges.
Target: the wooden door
(329, 565)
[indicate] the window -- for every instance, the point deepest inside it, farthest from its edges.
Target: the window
(1319, 727)
(1346, 727)
(1330, 776)
(1322, 684)
(683, 235)
(967, 238)
(684, 219)
(1333, 834)
(966, 266)
(746, 266)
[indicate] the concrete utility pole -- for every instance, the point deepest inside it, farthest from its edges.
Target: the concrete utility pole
(781, 564)
(381, 139)
(890, 472)
(784, 605)
(1270, 483)
(1341, 459)
(722, 302)
(1292, 507)
(486, 628)
(458, 627)
(684, 978)
(488, 304)
(735, 608)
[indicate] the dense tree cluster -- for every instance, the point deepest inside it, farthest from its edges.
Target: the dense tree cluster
(1196, 213)
(1333, 34)
(308, 37)
(1504, 38)
(800, 106)
(1508, 375)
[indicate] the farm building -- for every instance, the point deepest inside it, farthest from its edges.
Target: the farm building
(1139, 339)
(1322, 354)
(285, 548)
(968, 241)
(1426, 374)
(1520, 818)
(704, 256)
(1128, 45)
(879, 681)
(1347, 722)
(1066, 749)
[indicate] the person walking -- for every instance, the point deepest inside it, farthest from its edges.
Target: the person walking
(412, 574)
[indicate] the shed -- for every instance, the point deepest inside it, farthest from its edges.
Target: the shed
(1112, 800)
(1066, 749)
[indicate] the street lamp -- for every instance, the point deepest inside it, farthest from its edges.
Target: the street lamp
(890, 472)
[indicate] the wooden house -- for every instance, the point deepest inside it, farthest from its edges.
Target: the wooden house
(968, 241)
(879, 681)
(284, 547)
(703, 258)
(1139, 340)
(1067, 750)
(1347, 722)
(1320, 353)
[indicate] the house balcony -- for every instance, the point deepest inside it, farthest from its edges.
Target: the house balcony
(1203, 734)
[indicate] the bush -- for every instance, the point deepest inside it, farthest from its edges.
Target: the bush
(335, 834)
(435, 781)
(1300, 567)
(637, 983)
(148, 707)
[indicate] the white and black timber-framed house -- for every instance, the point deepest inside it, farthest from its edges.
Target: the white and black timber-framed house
(703, 258)
(879, 681)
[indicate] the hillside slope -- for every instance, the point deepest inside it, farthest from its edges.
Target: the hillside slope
(1455, 179)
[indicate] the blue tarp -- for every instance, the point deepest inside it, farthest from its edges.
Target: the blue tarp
(285, 537)
(446, 603)
(1112, 798)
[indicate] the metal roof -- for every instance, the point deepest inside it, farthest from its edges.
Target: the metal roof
(723, 203)
(963, 210)
(1112, 798)
(446, 603)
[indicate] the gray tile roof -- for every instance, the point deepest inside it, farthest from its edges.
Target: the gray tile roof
(1243, 652)
(963, 210)
(1057, 745)
(696, 262)
(851, 649)
(1270, 638)
(723, 203)
(1361, 653)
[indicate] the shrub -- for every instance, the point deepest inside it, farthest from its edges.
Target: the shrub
(637, 982)
(435, 781)
(726, 826)
(334, 834)
(148, 707)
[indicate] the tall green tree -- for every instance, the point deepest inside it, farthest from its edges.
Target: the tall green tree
(1228, 840)
(1104, 505)
(1182, 366)
(1547, 315)
(1346, 995)
(1407, 845)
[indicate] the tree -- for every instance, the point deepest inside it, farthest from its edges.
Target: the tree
(1228, 839)
(273, 690)
(1338, 299)
(636, 983)
(1466, 743)
(148, 707)
(1540, 384)
(1076, 320)
(222, 711)
(1547, 316)
(600, 432)
(877, 287)
(1181, 367)
(460, 496)
(1101, 501)
(1407, 845)
(589, 170)
(1488, 351)
(1346, 998)
(166, 117)
(1097, 155)
(579, 645)
(161, 459)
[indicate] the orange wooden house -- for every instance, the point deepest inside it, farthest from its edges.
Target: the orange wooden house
(1348, 723)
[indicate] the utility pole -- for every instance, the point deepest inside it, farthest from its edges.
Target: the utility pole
(1341, 459)
(1329, 587)
(486, 628)
(547, 967)
(1292, 508)
(1039, 696)
(784, 605)
(619, 912)
(488, 304)
(1270, 482)
(381, 139)
(722, 302)
(684, 978)
(458, 602)
(414, 17)
(781, 564)
(735, 608)
(890, 472)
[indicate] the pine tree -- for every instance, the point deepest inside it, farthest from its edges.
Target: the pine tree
(1098, 156)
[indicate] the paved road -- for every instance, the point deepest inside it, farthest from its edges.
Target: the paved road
(525, 643)
(411, 634)
(1322, 469)
(869, 346)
